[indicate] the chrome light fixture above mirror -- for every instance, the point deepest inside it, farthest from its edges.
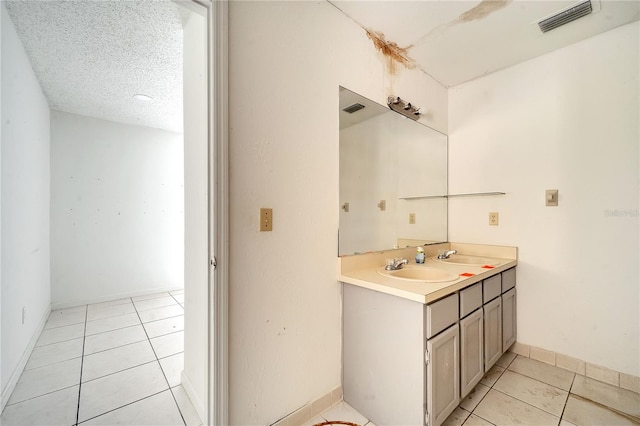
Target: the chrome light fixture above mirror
(404, 108)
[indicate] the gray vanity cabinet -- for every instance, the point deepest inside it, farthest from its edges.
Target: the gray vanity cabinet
(443, 375)
(509, 328)
(401, 359)
(442, 358)
(492, 332)
(384, 348)
(499, 295)
(471, 351)
(407, 363)
(491, 291)
(508, 319)
(471, 338)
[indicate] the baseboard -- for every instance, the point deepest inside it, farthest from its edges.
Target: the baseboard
(584, 368)
(17, 372)
(195, 401)
(82, 302)
(311, 409)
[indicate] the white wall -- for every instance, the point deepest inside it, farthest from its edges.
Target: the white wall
(286, 61)
(117, 217)
(195, 197)
(568, 120)
(25, 204)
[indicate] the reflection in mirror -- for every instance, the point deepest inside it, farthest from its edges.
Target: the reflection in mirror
(393, 179)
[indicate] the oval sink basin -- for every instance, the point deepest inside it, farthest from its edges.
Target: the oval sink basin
(461, 259)
(423, 274)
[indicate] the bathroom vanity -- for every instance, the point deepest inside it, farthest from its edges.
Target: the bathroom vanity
(413, 349)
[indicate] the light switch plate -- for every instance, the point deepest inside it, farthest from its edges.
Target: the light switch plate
(551, 197)
(266, 219)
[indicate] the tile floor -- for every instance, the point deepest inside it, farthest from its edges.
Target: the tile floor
(522, 391)
(116, 362)
(119, 362)
(341, 412)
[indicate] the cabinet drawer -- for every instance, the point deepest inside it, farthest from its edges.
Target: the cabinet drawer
(491, 288)
(508, 279)
(470, 299)
(441, 314)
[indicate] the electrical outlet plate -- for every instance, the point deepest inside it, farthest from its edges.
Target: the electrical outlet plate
(266, 219)
(493, 218)
(412, 218)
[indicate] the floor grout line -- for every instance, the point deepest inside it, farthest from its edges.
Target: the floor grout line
(87, 311)
(162, 370)
(160, 319)
(55, 343)
(114, 329)
(38, 396)
(125, 405)
(60, 326)
(518, 399)
(82, 364)
(148, 339)
(53, 363)
(120, 371)
(109, 317)
(157, 307)
(114, 347)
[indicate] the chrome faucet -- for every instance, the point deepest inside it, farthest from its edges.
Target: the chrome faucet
(396, 264)
(446, 254)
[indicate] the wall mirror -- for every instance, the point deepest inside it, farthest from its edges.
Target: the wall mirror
(393, 179)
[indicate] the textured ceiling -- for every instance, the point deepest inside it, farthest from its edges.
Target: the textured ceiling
(91, 57)
(458, 41)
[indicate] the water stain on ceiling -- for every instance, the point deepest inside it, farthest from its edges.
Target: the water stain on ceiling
(482, 10)
(394, 53)
(458, 41)
(399, 55)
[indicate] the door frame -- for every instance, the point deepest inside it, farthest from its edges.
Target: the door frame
(218, 49)
(217, 382)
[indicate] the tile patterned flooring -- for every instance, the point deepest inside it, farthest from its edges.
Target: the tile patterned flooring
(342, 412)
(117, 362)
(523, 391)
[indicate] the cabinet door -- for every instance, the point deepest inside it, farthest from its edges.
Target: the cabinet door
(508, 319)
(492, 333)
(443, 375)
(471, 351)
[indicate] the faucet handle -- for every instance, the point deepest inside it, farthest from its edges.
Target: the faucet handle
(445, 254)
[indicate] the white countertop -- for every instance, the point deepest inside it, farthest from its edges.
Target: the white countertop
(361, 270)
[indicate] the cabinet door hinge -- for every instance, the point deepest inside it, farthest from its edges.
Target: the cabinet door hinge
(427, 357)
(213, 262)
(426, 418)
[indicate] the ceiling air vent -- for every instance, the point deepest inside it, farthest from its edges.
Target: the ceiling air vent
(353, 108)
(566, 16)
